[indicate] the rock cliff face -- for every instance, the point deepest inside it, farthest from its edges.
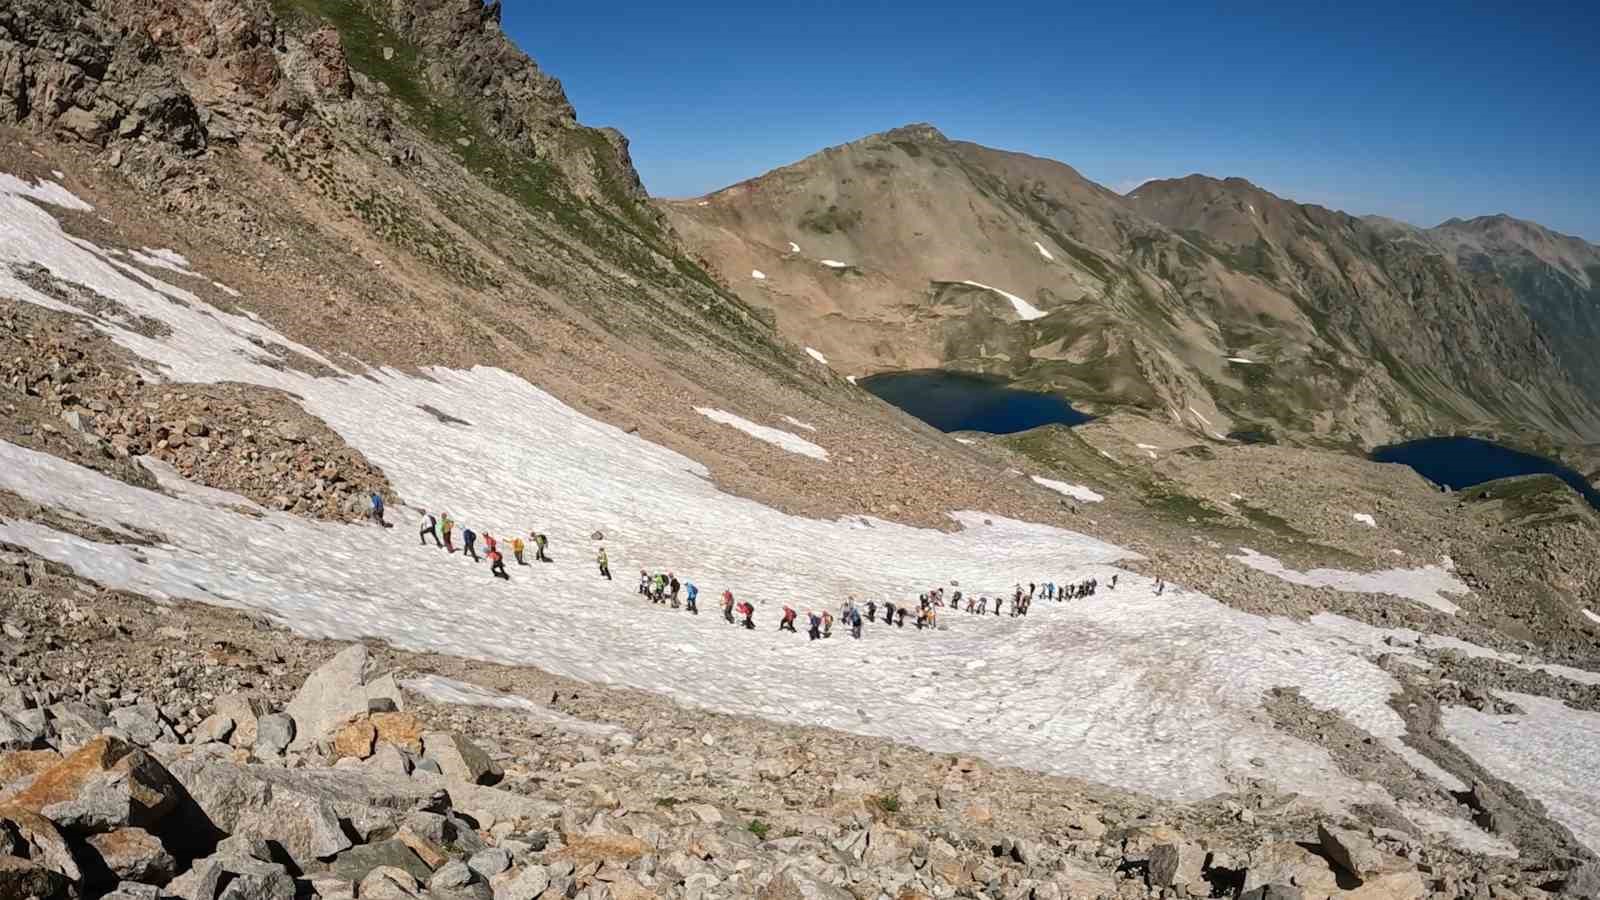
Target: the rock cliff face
(1210, 301)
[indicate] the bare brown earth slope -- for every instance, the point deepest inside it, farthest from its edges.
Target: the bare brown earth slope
(1213, 303)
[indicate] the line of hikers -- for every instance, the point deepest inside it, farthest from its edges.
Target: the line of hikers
(665, 588)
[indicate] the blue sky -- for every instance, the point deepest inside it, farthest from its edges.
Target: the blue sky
(1411, 110)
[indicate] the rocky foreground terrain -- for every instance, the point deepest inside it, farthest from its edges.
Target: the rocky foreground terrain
(185, 751)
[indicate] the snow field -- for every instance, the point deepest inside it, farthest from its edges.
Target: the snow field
(1076, 491)
(1160, 695)
(775, 436)
(1426, 585)
(1025, 310)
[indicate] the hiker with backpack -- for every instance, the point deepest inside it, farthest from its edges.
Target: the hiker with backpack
(749, 612)
(787, 622)
(377, 510)
(429, 523)
(690, 598)
(516, 550)
(497, 565)
(674, 586)
(539, 542)
(816, 625)
(727, 605)
(603, 561)
(468, 540)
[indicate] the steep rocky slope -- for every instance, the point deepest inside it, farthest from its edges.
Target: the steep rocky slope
(1555, 276)
(1213, 302)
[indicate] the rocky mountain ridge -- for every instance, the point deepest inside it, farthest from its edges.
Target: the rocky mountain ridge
(1257, 313)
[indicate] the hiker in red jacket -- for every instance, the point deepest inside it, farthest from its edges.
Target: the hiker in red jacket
(748, 611)
(787, 624)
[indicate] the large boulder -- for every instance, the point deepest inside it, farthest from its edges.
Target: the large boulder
(459, 757)
(42, 841)
(133, 854)
(105, 785)
(337, 693)
(16, 735)
(1351, 852)
(243, 710)
(24, 764)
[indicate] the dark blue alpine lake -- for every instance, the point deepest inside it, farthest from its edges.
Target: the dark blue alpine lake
(1461, 462)
(958, 401)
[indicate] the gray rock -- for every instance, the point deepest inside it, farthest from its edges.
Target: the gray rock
(245, 711)
(133, 890)
(459, 757)
(526, 883)
(1350, 851)
(133, 854)
(1163, 865)
(213, 728)
(450, 876)
(393, 854)
(142, 724)
(244, 846)
(1583, 882)
(388, 883)
(274, 734)
(388, 759)
(336, 693)
(489, 863)
(256, 880)
(14, 735)
(75, 723)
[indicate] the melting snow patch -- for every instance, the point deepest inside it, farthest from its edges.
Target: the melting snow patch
(834, 264)
(1459, 832)
(758, 275)
(775, 436)
(1365, 519)
(1077, 491)
(1241, 360)
(1200, 417)
(45, 191)
(1405, 641)
(1025, 310)
(1591, 616)
(1148, 447)
(850, 378)
(971, 441)
(170, 260)
(1424, 765)
(799, 424)
(225, 289)
(817, 355)
(58, 174)
(793, 247)
(1551, 753)
(1043, 252)
(460, 693)
(1426, 585)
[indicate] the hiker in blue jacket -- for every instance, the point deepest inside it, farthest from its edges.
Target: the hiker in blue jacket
(690, 596)
(377, 509)
(468, 539)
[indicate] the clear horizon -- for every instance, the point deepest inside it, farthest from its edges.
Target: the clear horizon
(1421, 113)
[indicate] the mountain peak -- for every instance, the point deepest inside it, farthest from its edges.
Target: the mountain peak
(921, 132)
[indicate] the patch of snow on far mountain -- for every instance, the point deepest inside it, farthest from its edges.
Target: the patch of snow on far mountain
(758, 275)
(1076, 491)
(799, 424)
(850, 378)
(1426, 585)
(58, 174)
(1551, 753)
(817, 355)
(1591, 616)
(965, 441)
(834, 264)
(225, 289)
(793, 247)
(1158, 694)
(1365, 519)
(1043, 252)
(775, 436)
(1200, 417)
(1241, 360)
(45, 191)
(1025, 310)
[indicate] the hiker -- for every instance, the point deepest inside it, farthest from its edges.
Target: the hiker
(658, 588)
(1161, 586)
(489, 543)
(827, 624)
(468, 539)
(604, 562)
(497, 565)
(1113, 581)
(673, 584)
(787, 622)
(815, 631)
(749, 612)
(516, 550)
(900, 620)
(727, 605)
(855, 623)
(377, 510)
(644, 583)
(539, 542)
(872, 610)
(690, 598)
(429, 523)
(888, 612)
(446, 525)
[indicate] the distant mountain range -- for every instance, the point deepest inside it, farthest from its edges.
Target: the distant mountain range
(1211, 302)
